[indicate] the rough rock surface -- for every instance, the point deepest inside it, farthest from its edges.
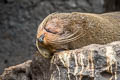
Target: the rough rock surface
(19, 20)
(112, 5)
(93, 62)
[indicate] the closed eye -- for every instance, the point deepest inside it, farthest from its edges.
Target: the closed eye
(50, 31)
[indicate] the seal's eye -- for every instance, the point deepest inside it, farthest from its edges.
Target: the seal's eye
(41, 38)
(50, 31)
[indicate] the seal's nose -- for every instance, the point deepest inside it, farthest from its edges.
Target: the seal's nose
(41, 38)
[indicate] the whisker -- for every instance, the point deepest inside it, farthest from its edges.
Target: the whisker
(68, 40)
(65, 37)
(38, 46)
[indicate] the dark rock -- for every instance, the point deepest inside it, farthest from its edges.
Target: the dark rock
(93, 62)
(112, 5)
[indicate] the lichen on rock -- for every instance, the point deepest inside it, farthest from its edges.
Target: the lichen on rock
(93, 62)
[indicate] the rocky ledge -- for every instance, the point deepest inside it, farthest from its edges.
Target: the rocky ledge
(92, 62)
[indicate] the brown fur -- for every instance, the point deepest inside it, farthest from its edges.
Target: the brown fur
(68, 31)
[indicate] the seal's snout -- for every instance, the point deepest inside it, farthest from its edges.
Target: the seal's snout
(41, 38)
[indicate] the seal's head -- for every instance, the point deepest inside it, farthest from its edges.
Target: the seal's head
(56, 32)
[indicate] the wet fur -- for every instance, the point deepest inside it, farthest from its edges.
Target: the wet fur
(80, 29)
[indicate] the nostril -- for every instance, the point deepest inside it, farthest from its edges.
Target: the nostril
(41, 38)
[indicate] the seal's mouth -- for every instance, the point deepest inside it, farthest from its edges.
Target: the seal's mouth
(42, 50)
(47, 50)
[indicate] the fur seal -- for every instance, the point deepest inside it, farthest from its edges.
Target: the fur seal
(69, 31)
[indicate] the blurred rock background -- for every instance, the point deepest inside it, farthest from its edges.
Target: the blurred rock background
(19, 20)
